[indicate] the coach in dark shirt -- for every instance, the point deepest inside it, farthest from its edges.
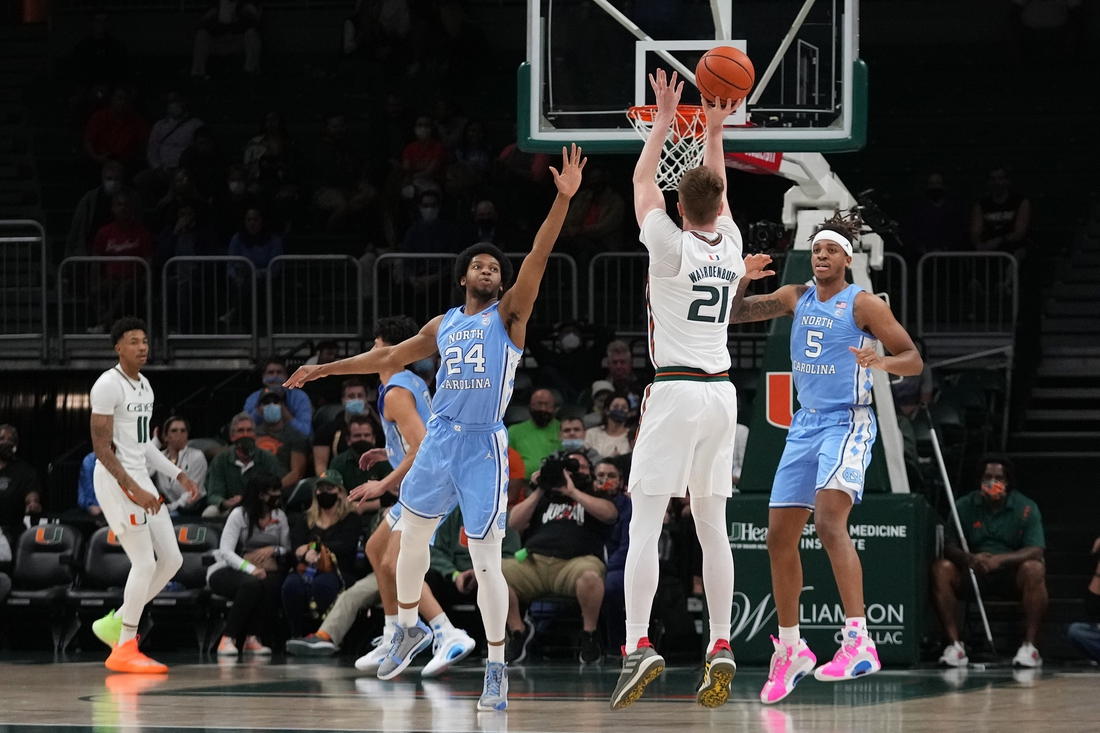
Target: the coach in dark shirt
(20, 492)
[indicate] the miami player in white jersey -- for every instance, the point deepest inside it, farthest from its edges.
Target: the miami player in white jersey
(833, 350)
(689, 413)
(122, 410)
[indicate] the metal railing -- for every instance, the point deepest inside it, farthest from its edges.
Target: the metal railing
(94, 292)
(210, 299)
(967, 294)
(23, 309)
(417, 285)
(893, 279)
(314, 296)
(617, 284)
(558, 299)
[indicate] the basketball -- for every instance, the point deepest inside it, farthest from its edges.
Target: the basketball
(724, 73)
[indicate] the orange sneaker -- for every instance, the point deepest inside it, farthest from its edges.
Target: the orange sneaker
(128, 658)
(252, 645)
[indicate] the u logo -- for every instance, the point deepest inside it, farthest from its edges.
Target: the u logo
(49, 535)
(112, 539)
(192, 535)
(779, 393)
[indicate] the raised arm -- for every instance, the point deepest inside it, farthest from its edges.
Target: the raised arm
(714, 157)
(873, 315)
(765, 307)
(647, 194)
(420, 346)
(518, 303)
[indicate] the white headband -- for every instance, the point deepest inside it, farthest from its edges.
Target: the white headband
(827, 235)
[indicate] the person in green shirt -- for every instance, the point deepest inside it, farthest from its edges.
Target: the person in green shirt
(231, 469)
(540, 436)
(360, 438)
(1004, 534)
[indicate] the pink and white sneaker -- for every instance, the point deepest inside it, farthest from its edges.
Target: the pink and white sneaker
(789, 665)
(856, 657)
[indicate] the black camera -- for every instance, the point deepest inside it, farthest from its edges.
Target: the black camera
(552, 474)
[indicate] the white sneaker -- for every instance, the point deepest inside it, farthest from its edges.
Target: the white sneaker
(1027, 656)
(450, 647)
(370, 661)
(955, 655)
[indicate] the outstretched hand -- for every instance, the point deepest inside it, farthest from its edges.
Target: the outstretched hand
(667, 92)
(716, 112)
(754, 267)
(569, 179)
(304, 373)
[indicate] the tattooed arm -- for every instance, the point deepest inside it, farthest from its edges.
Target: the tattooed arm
(764, 307)
(103, 428)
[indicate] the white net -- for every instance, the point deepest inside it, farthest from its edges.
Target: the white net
(684, 143)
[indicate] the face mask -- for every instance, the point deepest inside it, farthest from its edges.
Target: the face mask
(245, 444)
(7, 451)
(273, 502)
(111, 186)
(272, 412)
(571, 444)
(326, 500)
(993, 489)
(236, 187)
(570, 342)
(360, 447)
(617, 416)
(355, 407)
(429, 213)
(935, 195)
(273, 381)
(606, 486)
(542, 418)
(175, 110)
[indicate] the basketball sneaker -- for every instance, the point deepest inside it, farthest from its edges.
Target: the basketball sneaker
(1027, 656)
(789, 665)
(406, 644)
(127, 657)
(955, 655)
(108, 629)
(718, 672)
(494, 695)
(252, 645)
(640, 667)
(518, 641)
(450, 647)
(856, 657)
(591, 652)
(314, 645)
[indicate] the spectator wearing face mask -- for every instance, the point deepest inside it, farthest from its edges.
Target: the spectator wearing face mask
(20, 491)
(539, 436)
(602, 392)
(297, 401)
(486, 227)
(251, 565)
(611, 437)
(93, 211)
(621, 374)
(569, 363)
(174, 437)
(276, 436)
(230, 469)
(325, 543)
(573, 435)
(170, 136)
(425, 158)
(330, 439)
(361, 436)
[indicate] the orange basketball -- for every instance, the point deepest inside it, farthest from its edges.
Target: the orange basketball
(724, 73)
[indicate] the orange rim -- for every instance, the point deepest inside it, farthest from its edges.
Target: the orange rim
(690, 118)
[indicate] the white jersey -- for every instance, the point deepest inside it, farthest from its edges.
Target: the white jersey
(131, 403)
(693, 278)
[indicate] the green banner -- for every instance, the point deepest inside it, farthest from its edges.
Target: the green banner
(775, 402)
(893, 535)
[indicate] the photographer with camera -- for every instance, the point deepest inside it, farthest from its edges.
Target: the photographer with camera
(565, 523)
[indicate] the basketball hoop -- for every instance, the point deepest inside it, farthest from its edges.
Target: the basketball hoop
(684, 144)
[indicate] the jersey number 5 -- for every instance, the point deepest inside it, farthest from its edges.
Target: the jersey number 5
(713, 296)
(813, 342)
(455, 358)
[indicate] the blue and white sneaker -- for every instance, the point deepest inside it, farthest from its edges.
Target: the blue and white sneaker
(494, 696)
(450, 647)
(407, 643)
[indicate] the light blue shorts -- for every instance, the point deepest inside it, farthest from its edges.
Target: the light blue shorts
(825, 450)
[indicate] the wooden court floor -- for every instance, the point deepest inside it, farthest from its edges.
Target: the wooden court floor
(329, 695)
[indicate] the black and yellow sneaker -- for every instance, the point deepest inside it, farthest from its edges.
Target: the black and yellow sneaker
(640, 667)
(718, 672)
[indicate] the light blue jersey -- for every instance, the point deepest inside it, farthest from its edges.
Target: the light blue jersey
(826, 374)
(478, 367)
(396, 445)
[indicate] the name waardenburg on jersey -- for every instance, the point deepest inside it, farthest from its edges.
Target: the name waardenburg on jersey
(715, 271)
